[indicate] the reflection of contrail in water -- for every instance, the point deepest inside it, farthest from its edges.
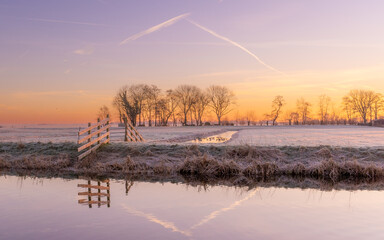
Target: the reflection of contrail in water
(234, 44)
(150, 217)
(188, 233)
(155, 28)
(214, 214)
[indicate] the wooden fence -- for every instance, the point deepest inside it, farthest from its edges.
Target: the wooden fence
(94, 137)
(99, 194)
(131, 134)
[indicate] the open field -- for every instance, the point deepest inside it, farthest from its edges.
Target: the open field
(345, 136)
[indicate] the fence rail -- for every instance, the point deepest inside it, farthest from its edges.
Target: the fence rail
(89, 194)
(92, 131)
(131, 134)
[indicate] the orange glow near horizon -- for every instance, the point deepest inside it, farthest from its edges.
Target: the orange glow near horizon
(62, 70)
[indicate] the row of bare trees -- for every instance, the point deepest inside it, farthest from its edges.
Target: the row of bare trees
(357, 105)
(365, 104)
(142, 103)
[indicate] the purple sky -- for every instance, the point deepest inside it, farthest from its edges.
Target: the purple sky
(71, 49)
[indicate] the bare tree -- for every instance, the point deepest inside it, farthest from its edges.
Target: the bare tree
(378, 104)
(295, 118)
(303, 109)
(221, 99)
(138, 92)
(103, 112)
(116, 104)
(127, 104)
(324, 102)
(250, 117)
(361, 102)
(200, 106)
(151, 94)
(166, 107)
(186, 96)
(277, 104)
(348, 108)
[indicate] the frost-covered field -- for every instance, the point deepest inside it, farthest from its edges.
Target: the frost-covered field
(347, 136)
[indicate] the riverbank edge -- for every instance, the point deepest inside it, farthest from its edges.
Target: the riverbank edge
(206, 164)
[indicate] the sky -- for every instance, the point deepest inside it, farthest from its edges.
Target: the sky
(61, 60)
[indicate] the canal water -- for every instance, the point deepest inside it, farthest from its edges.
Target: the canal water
(56, 208)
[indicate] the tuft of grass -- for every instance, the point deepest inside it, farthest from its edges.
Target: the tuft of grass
(209, 167)
(20, 146)
(129, 164)
(4, 163)
(259, 169)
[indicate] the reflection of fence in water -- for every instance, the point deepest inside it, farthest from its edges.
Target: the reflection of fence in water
(102, 192)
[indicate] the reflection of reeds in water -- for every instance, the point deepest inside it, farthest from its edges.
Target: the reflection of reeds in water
(99, 194)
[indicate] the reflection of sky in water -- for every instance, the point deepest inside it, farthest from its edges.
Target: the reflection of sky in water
(48, 209)
(219, 138)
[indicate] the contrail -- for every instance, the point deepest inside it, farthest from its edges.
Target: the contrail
(155, 28)
(235, 44)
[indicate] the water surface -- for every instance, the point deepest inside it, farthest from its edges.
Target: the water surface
(41, 208)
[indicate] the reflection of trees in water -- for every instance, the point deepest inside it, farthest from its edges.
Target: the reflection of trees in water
(128, 185)
(98, 196)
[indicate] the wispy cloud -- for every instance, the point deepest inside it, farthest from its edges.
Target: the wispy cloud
(84, 51)
(66, 22)
(236, 45)
(27, 94)
(155, 28)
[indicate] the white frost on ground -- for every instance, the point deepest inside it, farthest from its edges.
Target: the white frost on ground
(347, 136)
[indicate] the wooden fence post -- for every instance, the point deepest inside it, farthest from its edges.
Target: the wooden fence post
(89, 196)
(89, 133)
(109, 195)
(108, 125)
(98, 196)
(98, 128)
(125, 129)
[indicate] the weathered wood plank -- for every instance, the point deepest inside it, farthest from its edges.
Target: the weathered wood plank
(81, 156)
(94, 126)
(85, 201)
(93, 134)
(93, 142)
(93, 194)
(136, 132)
(93, 186)
(129, 135)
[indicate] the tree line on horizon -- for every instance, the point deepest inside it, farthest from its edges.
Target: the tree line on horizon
(148, 105)
(359, 107)
(188, 104)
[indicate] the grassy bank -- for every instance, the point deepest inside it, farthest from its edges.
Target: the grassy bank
(239, 164)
